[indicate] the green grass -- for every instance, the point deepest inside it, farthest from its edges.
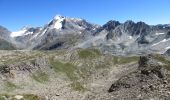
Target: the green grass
(1, 97)
(70, 71)
(4, 95)
(40, 77)
(9, 86)
(87, 53)
(66, 68)
(25, 97)
(30, 97)
(78, 86)
(102, 66)
(124, 60)
(33, 61)
(23, 57)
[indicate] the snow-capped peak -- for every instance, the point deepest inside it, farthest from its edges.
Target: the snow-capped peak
(58, 21)
(58, 17)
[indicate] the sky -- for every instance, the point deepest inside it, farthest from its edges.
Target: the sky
(14, 14)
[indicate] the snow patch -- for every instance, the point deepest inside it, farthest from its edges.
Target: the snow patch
(130, 37)
(167, 48)
(28, 33)
(164, 40)
(19, 33)
(94, 28)
(76, 19)
(160, 33)
(80, 32)
(58, 24)
(44, 32)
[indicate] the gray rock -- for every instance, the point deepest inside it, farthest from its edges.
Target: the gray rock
(145, 83)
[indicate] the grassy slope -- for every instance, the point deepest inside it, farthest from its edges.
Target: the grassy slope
(70, 71)
(40, 76)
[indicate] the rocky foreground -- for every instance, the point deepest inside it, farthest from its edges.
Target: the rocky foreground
(82, 74)
(151, 81)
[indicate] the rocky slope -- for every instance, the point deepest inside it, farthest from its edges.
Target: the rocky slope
(5, 33)
(134, 38)
(81, 74)
(6, 42)
(150, 81)
(5, 45)
(60, 32)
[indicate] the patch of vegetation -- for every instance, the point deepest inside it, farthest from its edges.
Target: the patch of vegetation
(25, 97)
(40, 76)
(163, 60)
(4, 95)
(78, 86)
(30, 97)
(23, 57)
(1, 98)
(66, 68)
(9, 86)
(102, 65)
(88, 53)
(33, 61)
(71, 72)
(124, 60)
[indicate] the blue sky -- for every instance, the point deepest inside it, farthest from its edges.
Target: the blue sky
(14, 14)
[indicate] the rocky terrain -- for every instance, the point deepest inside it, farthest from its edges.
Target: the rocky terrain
(149, 81)
(82, 74)
(72, 59)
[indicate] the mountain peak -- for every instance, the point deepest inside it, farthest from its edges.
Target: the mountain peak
(111, 25)
(58, 17)
(25, 27)
(57, 21)
(129, 22)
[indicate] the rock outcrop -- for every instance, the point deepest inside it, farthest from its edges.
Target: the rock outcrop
(150, 81)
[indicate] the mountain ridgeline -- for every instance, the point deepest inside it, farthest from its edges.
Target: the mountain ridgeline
(70, 58)
(70, 33)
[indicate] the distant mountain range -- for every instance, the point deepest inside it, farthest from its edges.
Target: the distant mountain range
(70, 33)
